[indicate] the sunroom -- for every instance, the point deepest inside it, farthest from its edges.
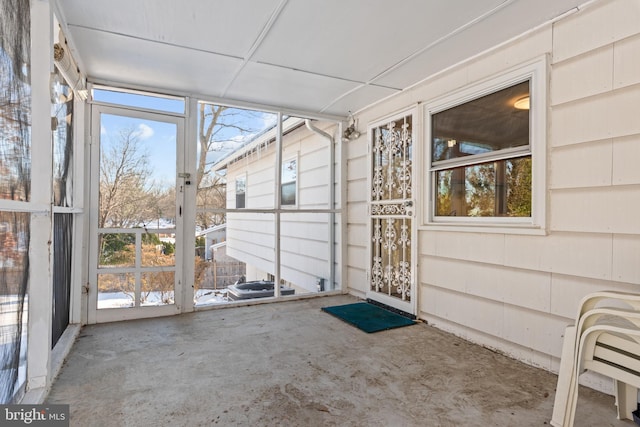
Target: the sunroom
(470, 164)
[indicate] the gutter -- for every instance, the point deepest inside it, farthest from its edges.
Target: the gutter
(332, 216)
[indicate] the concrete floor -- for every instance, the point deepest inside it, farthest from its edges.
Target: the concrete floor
(290, 364)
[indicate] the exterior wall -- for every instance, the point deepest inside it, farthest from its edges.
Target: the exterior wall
(304, 241)
(517, 292)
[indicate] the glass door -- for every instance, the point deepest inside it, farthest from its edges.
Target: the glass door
(137, 193)
(392, 242)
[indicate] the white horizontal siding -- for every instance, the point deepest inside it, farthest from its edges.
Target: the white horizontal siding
(626, 259)
(589, 164)
(626, 152)
(304, 237)
(601, 24)
(586, 75)
(609, 115)
(579, 254)
(517, 287)
(626, 62)
(597, 210)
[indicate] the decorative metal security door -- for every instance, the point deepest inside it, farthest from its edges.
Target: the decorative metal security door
(391, 211)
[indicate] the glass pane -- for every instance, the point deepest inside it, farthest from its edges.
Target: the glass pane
(250, 237)
(117, 250)
(137, 173)
(15, 102)
(158, 249)
(241, 191)
(215, 271)
(227, 135)
(501, 188)
(304, 252)
(62, 124)
(289, 176)
(486, 124)
(156, 288)
(288, 193)
(239, 251)
(14, 282)
(116, 290)
(141, 100)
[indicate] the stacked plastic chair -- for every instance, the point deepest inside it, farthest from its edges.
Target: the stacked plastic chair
(604, 339)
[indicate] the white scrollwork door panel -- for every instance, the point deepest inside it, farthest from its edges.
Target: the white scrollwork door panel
(391, 200)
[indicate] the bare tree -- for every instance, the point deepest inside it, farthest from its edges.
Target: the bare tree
(211, 194)
(125, 197)
(219, 129)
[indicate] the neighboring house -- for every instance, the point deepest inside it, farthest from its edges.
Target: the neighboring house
(219, 270)
(305, 183)
(212, 236)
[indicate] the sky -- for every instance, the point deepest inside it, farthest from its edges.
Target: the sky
(155, 139)
(158, 139)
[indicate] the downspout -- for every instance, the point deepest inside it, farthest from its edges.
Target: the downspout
(332, 214)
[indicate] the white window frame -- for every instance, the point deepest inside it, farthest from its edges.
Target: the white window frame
(283, 182)
(244, 178)
(536, 72)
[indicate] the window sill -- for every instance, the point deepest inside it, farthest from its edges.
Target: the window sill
(494, 228)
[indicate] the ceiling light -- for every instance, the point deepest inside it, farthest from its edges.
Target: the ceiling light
(522, 103)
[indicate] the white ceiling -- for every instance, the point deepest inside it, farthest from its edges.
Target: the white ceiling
(316, 56)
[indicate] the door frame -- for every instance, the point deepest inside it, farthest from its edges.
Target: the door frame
(95, 315)
(410, 307)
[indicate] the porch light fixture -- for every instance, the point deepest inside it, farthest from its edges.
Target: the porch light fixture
(351, 133)
(522, 103)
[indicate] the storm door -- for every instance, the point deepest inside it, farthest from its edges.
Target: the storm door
(391, 242)
(136, 218)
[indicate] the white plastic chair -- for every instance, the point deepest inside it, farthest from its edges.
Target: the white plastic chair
(619, 304)
(611, 351)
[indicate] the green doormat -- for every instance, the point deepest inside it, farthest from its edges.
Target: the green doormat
(368, 317)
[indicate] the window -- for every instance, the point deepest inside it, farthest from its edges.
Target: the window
(482, 153)
(136, 99)
(241, 191)
(288, 185)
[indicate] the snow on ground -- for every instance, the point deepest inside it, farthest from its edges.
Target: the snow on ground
(125, 300)
(210, 297)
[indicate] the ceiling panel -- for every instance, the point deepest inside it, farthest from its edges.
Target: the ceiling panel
(137, 62)
(360, 39)
(293, 89)
(362, 96)
(507, 23)
(227, 27)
